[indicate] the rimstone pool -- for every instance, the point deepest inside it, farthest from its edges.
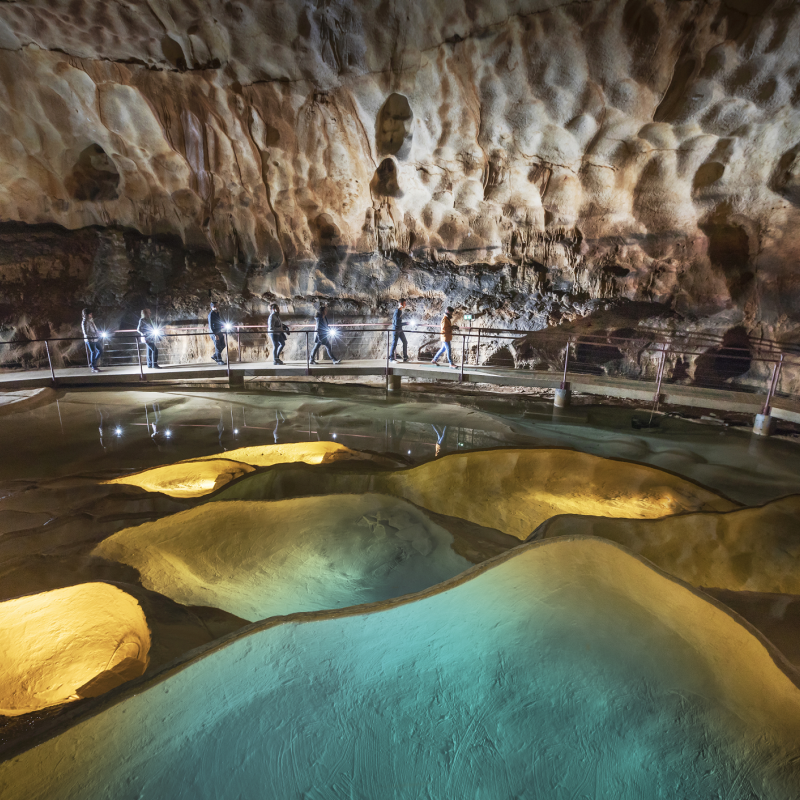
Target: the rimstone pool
(205, 594)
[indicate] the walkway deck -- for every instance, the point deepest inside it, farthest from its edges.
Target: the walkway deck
(129, 377)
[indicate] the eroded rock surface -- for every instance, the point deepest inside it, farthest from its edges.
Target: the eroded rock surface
(529, 161)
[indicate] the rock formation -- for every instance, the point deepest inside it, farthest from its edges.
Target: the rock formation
(528, 161)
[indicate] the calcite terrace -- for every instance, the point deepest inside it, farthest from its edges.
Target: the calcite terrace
(526, 160)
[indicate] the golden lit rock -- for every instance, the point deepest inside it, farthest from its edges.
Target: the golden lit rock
(515, 490)
(69, 643)
(187, 478)
(749, 549)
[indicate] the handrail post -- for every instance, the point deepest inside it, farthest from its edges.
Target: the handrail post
(50, 361)
(308, 359)
(463, 356)
(564, 384)
(239, 343)
(478, 353)
(773, 385)
(388, 348)
(659, 378)
(139, 358)
(227, 356)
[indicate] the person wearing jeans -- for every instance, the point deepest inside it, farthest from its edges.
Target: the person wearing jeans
(447, 337)
(277, 333)
(398, 335)
(149, 333)
(216, 328)
(91, 337)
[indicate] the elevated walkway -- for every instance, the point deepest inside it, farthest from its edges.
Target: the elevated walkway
(236, 375)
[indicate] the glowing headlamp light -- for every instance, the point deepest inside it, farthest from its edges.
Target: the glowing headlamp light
(104, 334)
(333, 332)
(227, 326)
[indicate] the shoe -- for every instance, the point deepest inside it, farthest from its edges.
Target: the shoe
(392, 359)
(454, 366)
(406, 360)
(278, 363)
(156, 366)
(313, 362)
(337, 362)
(435, 363)
(95, 370)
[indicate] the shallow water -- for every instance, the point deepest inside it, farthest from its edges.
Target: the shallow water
(115, 432)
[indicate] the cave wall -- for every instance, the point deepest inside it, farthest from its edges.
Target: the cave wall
(530, 161)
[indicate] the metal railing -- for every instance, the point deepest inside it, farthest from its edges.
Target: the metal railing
(643, 355)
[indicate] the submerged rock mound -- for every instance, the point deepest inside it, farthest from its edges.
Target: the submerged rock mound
(557, 666)
(750, 549)
(261, 559)
(69, 643)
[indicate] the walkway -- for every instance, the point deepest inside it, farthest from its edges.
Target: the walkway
(237, 375)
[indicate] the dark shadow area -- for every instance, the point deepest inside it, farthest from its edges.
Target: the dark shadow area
(393, 126)
(94, 177)
(385, 181)
(723, 363)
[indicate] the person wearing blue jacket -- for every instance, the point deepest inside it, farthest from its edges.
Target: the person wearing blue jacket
(398, 334)
(216, 328)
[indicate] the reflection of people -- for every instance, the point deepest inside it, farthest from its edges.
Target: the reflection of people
(277, 333)
(439, 437)
(447, 337)
(91, 336)
(277, 423)
(149, 333)
(397, 332)
(322, 336)
(216, 327)
(101, 427)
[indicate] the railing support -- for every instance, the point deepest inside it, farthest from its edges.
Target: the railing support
(388, 354)
(227, 356)
(139, 358)
(563, 395)
(308, 358)
(773, 385)
(50, 362)
(463, 357)
(659, 377)
(478, 353)
(239, 343)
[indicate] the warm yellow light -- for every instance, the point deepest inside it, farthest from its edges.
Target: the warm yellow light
(750, 549)
(514, 491)
(305, 452)
(202, 476)
(187, 478)
(69, 643)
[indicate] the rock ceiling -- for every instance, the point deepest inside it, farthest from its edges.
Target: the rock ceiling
(488, 152)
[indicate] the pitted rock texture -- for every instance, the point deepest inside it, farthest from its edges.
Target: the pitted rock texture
(525, 160)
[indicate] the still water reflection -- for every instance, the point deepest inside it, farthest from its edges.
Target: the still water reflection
(110, 433)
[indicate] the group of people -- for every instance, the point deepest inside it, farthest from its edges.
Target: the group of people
(278, 332)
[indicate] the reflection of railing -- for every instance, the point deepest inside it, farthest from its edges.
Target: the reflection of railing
(652, 356)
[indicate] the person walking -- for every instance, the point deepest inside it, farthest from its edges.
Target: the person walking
(216, 328)
(277, 333)
(447, 337)
(91, 337)
(398, 334)
(149, 332)
(322, 336)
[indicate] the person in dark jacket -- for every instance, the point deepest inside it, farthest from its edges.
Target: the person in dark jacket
(149, 332)
(398, 334)
(322, 336)
(277, 333)
(447, 337)
(92, 338)
(216, 328)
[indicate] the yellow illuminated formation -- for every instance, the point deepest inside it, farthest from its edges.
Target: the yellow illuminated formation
(305, 452)
(202, 476)
(69, 643)
(751, 549)
(260, 559)
(514, 490)
(187, 478)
